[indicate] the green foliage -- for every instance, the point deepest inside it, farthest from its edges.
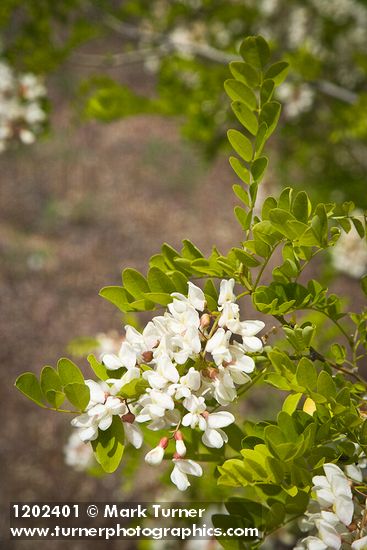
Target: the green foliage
(270, 462)
(54, 385)
(109, 446)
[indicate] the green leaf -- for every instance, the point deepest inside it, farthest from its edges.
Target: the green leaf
(160, 298)
(258, 168)
(234, 473)
(243, 217)
(266, 92)
(246, 117)
(301, 206)
(78, 395)
(241, 170)
(245, 258)
(245, 73)
(241, 144)
(238, 91)
(160, 282)
(109, 446)
(69, 373)
(255, 51)
(241, 194)
(134, 282)
(291, 402)
(326, 385)
(29, 385)
(98, 368)
(261, 138)
(277, 72)
(56, 398)
(211, 294)
(134, 388)
(359, 227)
(190, 251)
(270, 113)
(117, 296)
(306, 374)
(51, 386)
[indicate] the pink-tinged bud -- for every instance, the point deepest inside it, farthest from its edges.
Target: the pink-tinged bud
(178, 436)
(147, 356)
(163, 442)
(180, 448)
(128, 417)
(180, 445)
(205, 414)
(204, 320)
(155, 456)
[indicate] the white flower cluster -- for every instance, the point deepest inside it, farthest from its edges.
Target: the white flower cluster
(349, 255)
(332, 514)
(22, 116)
(187, 358)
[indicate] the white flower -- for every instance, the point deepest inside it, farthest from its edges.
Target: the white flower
(98, 392)
(311, 543)
(349, 255)
(155, 456)
(196, 406)
(182, 316)
(226, 293)
(154, 403)
(334, 491)
(134, 349)
(230, 317)
(181, 470)
(133, 435)
(354, 471)
(180, 448)
(195, 298)
(247, 331)
(360, 544)
(21, 112)
(224, 389)
(170, 418)
(79, 455)
(213, 436)
(164, 374)
(188, 383)
(26, 136)
(218, 346)
(241, 364)
(328, 534)
(186, 345)
(98, 417)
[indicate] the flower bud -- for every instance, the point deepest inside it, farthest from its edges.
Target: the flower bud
(180, 445)
(155, 456)
(128, 417)
(204, 320)
(147, 356)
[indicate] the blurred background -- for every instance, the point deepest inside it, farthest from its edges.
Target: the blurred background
(113, 127)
